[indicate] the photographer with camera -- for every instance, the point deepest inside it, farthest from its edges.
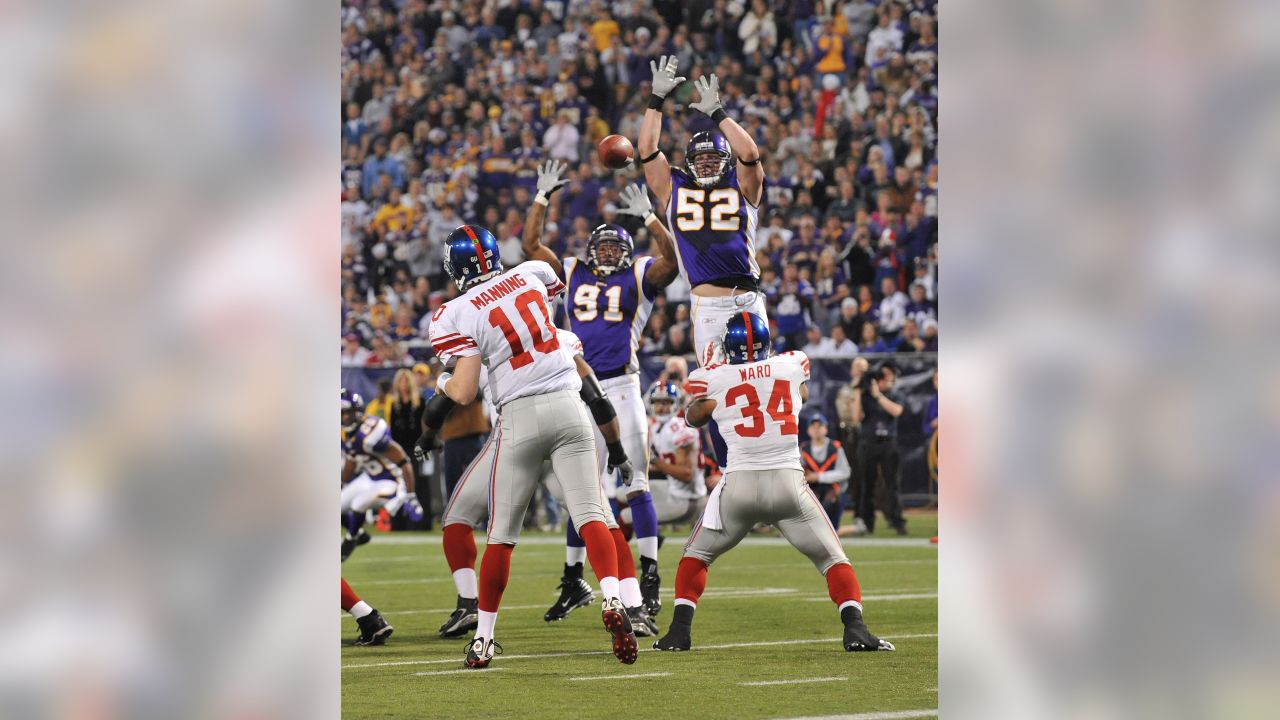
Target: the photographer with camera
(876, 410)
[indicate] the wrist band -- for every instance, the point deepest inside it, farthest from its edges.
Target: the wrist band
(541, 199)
(650, 216)
(651, 157)
(655, 102)
(718, 115)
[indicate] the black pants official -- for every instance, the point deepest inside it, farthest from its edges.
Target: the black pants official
(850, 447)
(879, 456)
(458, 454)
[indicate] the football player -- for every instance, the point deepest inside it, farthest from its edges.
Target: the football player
(374, 629)
(674, 461)
(376, 472)
(502, 319)
(468, 508)
(755, 396)
(609, 298)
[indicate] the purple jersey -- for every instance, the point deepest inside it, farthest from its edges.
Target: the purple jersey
(366, 448)
(608, 314)
(715, 230)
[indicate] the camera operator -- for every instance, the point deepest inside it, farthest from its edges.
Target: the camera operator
(849, 436)
(877, 410)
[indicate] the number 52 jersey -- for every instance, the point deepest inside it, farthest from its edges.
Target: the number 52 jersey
(756, 406)
(507, 322)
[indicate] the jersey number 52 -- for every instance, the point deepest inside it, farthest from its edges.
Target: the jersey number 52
(778, 407)
(692, 212)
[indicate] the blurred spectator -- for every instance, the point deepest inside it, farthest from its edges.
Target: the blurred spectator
(920, 308)
(825, 468)
(791, 298)
(424, 380)
(380, 405)
(817, 345)
(893, 307)
(909, 341)
(870, 341)
(353, 354)
(843, 344)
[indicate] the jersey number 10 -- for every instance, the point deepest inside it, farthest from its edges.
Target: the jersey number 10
(778, 407)
(519, 356)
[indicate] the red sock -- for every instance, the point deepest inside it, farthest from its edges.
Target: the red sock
(842, 584)
(691, 579)
(459, 546)
(349, 596)
(626, 561)
(495, 568)
(600, 549)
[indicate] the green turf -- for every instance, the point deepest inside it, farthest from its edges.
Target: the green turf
(755, 594)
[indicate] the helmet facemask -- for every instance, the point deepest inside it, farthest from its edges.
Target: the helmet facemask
(608, 252)
(708, 167)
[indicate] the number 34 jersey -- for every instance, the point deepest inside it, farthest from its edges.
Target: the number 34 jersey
(507, 322)
(756, 406)
(609, 314)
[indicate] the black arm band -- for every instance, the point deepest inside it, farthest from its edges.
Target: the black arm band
(617, 453)
(651, 157)
(749, 163)
(599, 405)
(719, 116)
(655, 102)
(437, 409)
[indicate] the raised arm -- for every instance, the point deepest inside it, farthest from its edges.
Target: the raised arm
(657, 171)
(549, 180)
(465, 382)
(664, 268)
(750, 171)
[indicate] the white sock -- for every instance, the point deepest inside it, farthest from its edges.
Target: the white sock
(360, 609)
(574, 555)
(465, 580)
(648, 547)
(851, 603)
(629, 590)
(486, 622)
(690, 603)
(609, 587)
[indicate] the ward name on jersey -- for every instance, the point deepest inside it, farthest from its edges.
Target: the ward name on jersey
(609, 314)
(366, 446)
(506, 320)
(756, 406)
(669, 436)
(714, 230)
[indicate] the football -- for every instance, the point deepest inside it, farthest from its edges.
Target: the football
(616, 152)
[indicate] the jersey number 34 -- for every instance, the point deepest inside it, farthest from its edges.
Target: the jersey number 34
(778, 407)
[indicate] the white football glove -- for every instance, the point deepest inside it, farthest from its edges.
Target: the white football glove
(708, 94)
(550, 178)
(635, 201)
(664, 75)
(625, 472)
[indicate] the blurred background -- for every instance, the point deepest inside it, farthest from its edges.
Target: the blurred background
(1110, 515)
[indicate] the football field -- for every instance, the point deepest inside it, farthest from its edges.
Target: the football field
(766, 638)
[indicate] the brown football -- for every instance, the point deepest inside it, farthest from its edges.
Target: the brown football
(616, 152)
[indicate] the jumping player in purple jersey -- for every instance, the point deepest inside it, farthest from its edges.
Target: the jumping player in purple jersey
(712, 205)
(608, 300)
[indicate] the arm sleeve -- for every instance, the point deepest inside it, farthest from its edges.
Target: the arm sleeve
(447, 341)
(696, 385)
(543, 272)
(377, 439)
(642, 267)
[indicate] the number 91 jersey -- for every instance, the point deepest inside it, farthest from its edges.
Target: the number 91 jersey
(756, 406)
(609, 314)
(507, 322)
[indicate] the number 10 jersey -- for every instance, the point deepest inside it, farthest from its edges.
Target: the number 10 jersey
(507, 322)
(756, 408)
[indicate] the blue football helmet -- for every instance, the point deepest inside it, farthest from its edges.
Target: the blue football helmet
(664, 391)
(701, 144)
(470, 255)
(746, 339)
(609, 235)
(352, 410)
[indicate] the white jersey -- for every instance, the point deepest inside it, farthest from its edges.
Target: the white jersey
(506, 320)
(571, 344)
(671, 436)
(756, 407)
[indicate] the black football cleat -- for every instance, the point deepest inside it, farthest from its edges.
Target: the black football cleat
(574, 593)
(857, 638)
(463, 620)
(349, 545)
(480, 653)
(374, 629)
(641, 622)
(615, 619)
(677, 639)
(650, 584)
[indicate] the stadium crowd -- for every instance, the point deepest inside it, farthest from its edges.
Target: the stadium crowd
(448, 107)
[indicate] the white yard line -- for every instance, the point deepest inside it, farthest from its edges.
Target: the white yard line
(760, 683)
(896, 715)
(463, 671)
(622, 677)
(883, 598)
(532, 656)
